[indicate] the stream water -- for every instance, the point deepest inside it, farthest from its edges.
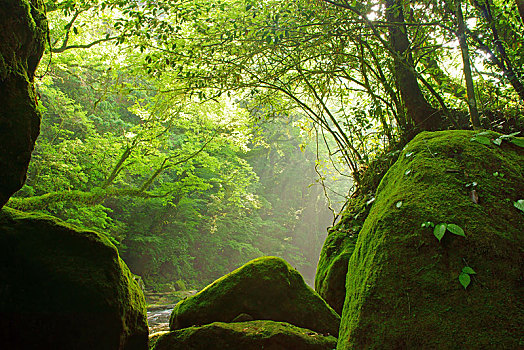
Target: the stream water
(158, 317)
(160, 306)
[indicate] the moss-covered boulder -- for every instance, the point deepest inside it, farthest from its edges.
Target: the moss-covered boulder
(330, 279)
(403, 288)
(63, 288)
(252, 335)
(266, 288)
(23, 32)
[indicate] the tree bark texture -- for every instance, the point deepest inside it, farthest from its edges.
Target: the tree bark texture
(470, 90)
(422, 115)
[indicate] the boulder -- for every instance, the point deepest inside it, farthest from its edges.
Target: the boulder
(405, 288)
(23, 33)
(252, 335)
(330, 279)
(266, 288)
(65, 288)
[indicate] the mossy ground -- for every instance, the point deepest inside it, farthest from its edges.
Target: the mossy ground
(65, 288)
(402, 284)
(266, 288)
(252, 335)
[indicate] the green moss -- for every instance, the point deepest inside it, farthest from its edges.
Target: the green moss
(65, 288)
(332, 268)
(252, 335)
(266, 288)
(402, 284)
(23, 32)
(23, 36)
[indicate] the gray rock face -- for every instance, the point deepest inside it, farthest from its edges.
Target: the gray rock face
(23, 32)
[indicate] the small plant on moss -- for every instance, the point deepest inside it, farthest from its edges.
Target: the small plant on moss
(464, 277)
(440, 229)
(485, 140)
(519, 204)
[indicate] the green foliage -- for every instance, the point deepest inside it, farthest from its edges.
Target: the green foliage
(464, 276)
(455, 229)
(484, 139)
(182, 148)
(187, 188)
(440, 229)
(519, 204)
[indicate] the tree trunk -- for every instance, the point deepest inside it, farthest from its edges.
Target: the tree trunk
(470, 90)
(502, 61)
(520, 6)
(422, 115)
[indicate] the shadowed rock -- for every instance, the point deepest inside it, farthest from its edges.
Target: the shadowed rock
(252, 335)
(64, 288)
(23, 32)
(267, 288)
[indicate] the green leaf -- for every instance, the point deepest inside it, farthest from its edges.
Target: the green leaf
(455, 229)
(464, 280)
(468, 270)
(428, 224)
(483, 133)
(481, 139)
(519, 142)
(409, 154)
(399, 204)
(519, 204)
(497, 141)
(509, 136)
(439, 230)
(407, 172)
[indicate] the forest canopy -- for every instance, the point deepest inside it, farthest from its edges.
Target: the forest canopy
(201, 134)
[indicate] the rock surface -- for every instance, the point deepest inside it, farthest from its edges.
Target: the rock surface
(266, 288)
(403, 289)
(252, 335)
(330, 279)
(23, 32)
(63, 288)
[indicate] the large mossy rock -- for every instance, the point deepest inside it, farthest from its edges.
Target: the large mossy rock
(330, 279)
(252, 335)
(266, 288)
(23, 32)
(403, 290)
(63, 288)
